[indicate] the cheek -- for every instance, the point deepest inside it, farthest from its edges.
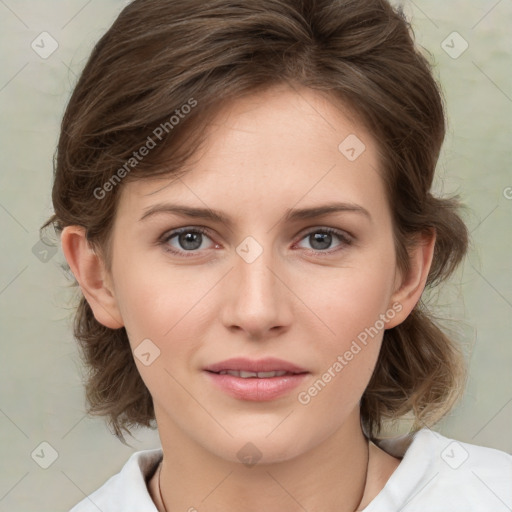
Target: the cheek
(151, 297)
(162, 305)
(348, 351)
(352, 301)
(350, 307)
(158, 307)
(144, 310)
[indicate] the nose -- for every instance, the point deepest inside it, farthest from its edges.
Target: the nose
(257, 300)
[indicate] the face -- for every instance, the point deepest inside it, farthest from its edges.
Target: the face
(312, 289)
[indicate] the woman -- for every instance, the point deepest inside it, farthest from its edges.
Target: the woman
(243, 194)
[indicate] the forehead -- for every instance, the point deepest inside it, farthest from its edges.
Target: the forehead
(273, 149)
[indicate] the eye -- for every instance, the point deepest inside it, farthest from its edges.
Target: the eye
(187, 240)
(321, 239)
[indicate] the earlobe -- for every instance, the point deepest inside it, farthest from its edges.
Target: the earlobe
(89, 270)
(411, 286)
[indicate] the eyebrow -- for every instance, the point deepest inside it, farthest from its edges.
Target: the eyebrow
(216, 216)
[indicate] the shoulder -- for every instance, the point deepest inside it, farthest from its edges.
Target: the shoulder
(441, 474)
(126, 490)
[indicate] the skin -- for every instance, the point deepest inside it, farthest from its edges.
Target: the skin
(265, 154)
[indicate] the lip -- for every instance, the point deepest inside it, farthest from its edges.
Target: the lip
(254, 388)
(269, 364)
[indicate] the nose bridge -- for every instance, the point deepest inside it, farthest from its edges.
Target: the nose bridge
(257, 302)
(255, 278)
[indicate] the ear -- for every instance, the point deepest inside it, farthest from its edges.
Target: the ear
(90, 272)
(408, 288)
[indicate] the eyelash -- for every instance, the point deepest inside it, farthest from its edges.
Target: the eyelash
(344, 239)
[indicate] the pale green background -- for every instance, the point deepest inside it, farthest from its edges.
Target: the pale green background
(41, 397)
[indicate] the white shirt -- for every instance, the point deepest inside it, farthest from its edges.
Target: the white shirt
(436, 474)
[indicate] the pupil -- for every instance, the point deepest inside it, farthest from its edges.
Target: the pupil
(190, 240)
(323, 238)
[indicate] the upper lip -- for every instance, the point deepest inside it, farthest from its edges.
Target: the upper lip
(268, 364)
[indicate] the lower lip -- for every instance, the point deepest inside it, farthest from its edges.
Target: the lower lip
(254, 388)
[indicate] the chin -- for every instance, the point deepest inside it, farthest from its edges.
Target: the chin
(255, 447)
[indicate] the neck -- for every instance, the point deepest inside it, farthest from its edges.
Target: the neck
(330, 477)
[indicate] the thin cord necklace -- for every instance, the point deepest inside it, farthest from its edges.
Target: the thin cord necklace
(357, 508)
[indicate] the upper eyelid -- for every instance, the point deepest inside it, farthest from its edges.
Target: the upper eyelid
(303, 233)
(176, 231)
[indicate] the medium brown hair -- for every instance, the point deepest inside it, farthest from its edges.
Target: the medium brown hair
(160, 55)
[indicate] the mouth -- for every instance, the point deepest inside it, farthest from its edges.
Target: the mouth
(251, 375)
(251, 368)
(256, 380)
